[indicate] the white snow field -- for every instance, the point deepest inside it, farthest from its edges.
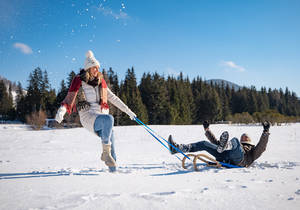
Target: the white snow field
(61, 169)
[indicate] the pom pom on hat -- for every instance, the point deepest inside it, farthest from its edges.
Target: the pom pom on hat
(90, 60)
(89, 54)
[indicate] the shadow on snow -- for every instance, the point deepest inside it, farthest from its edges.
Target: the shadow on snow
(49, 174)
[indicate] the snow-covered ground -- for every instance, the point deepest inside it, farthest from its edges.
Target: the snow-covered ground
(61, 169)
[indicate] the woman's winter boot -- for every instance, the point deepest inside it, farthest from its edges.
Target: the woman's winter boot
(107, 158)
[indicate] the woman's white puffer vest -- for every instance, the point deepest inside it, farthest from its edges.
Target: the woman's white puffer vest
(88, 117)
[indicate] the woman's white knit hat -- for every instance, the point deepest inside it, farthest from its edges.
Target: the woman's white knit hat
(90, 60)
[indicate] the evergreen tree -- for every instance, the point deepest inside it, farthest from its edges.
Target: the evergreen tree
(262, 100)
(113, 84)
(198, 89)
(282, 105)
(174, 101)
(224, 101)
(48, 96)
(39, 95)
(208, 105)
(20, 101)
(130, 95)
(239, 101)
(181, 100)
(11, 112)
(187, 100)
(295, 104)
(274, 99)
(20, 93)
(45, 86)
(145, 88)
(5, 104)
(51, 103)
(252, 100)
(291, 102)
(70, 78)
(155, 97)
(63, 91)
(33, 98)
(10, 96)
(73, 118)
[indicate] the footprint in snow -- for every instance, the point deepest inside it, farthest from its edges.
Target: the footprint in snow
(158, 196)
(204, 189)
(164, 193)
(90, 197)
(112, 195)
(3, 161)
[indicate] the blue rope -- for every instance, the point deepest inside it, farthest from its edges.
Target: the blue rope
(157, 138)
(229, 165)
(153, 132)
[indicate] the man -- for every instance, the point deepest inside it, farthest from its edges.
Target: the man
(241, 153)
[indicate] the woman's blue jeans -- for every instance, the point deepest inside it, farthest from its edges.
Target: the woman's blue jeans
(233, 156)
(103, 127)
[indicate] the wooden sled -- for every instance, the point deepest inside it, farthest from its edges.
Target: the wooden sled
(209, 161)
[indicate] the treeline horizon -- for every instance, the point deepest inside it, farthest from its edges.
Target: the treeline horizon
(157, 99)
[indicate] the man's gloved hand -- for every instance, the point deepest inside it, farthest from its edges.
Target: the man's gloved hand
(60, 114)
(205, 124)
(266, 126)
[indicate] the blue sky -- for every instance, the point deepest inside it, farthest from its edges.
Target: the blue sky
(253, 42)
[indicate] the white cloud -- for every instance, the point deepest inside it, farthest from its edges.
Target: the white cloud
(232, 65)
(23, 48)
(121, 15)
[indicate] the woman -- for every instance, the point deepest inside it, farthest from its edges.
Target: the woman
(90, 95)
(242, 153)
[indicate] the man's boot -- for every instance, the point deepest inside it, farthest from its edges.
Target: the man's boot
(223, 142)
(182, 147)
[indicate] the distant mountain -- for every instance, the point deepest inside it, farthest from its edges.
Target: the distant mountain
(225, 82)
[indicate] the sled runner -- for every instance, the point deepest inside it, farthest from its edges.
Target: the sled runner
(208, 161)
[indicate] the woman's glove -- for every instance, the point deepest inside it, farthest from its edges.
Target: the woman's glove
(60, 114)
(131, 114)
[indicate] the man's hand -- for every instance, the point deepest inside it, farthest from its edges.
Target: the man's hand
(205, 125)
(266, 126)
